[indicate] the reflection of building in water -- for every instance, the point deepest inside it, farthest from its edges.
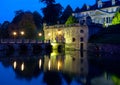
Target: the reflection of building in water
(73, 62)
(74, 36)
(105, 79)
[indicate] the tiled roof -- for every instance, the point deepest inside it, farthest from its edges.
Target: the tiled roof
(95, 6)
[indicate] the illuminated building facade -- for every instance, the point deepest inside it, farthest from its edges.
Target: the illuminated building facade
(74, 36)
(100, 13)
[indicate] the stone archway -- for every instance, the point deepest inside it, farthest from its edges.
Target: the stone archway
(60, 36)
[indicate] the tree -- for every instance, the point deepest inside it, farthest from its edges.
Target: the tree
(70, 20)
(4, 30)
(48, 2)
(38, 20)
(27, 24)
(77, 9)
(24, 21)
(116, 19)
(51, 12)
(67, 12)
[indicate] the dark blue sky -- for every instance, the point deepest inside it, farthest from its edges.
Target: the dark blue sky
(8, 7)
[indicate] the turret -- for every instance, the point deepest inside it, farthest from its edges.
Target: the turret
(113, 2)
(99, 3)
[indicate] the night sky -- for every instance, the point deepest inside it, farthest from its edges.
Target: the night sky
(8, 7)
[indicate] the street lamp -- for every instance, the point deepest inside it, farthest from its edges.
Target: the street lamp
(14, 34)
(40, 34)
(22, 33)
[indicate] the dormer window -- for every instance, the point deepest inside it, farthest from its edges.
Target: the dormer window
(99, 4)
(113, 2)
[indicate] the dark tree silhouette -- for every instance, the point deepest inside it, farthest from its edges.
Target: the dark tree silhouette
(67, 12)
(4, 30)
(77, 9)
(51, 12)
(47, 2)
(38, 20)
(23, 21)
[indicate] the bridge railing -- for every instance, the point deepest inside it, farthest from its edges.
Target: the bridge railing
(21, 41)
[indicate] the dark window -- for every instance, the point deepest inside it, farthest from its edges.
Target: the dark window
(81, 31)
(73, 39)
(81, 39)
(81, 48)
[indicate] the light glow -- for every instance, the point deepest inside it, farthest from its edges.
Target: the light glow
(39, 34)
(14, 33)
(49, 65)
(22, 33)
(22, 67)
(59, 65)
(15, 64)
(49, 34)
(40, 63)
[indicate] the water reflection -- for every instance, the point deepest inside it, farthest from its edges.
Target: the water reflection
(66, 68)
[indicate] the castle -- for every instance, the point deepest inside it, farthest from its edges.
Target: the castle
(74, 37)
(100, 13)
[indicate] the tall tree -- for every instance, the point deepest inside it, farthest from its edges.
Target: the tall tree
(77, 9)
(67, 12)
(51, 12)
(23, 21)
(38, 20)
(4, 30)
(47, 2)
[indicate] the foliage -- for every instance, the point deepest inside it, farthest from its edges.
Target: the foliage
(116, 80)
(116, 19)
(18, 16)
(48, 2)
(38, 20)
(27, 22)
(70, 20)
(67, 12)
(77, 9)
(51, 12)
(4, 30)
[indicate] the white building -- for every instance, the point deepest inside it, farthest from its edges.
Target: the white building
(100, 13)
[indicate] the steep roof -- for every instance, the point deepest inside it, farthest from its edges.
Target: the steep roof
(95, 6)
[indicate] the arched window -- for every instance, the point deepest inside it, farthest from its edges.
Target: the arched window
(81, 31)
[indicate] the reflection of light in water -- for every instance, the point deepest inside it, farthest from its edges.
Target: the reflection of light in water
(55, 52)
(15, 64)
(22, 67)
(40, 63)
(49, 64)
(59, 65)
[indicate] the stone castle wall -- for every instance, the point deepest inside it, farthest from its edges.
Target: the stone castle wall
(72, 36)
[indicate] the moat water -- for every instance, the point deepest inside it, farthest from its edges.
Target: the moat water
(65, 68)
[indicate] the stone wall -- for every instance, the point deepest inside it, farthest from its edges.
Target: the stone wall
(72, 35)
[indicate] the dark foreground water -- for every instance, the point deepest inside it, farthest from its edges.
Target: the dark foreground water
(66, 68)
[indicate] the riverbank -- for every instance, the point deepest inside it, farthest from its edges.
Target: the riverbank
(104, 47)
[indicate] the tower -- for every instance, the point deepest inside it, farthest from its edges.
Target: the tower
(99, 3)
(113, 2)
